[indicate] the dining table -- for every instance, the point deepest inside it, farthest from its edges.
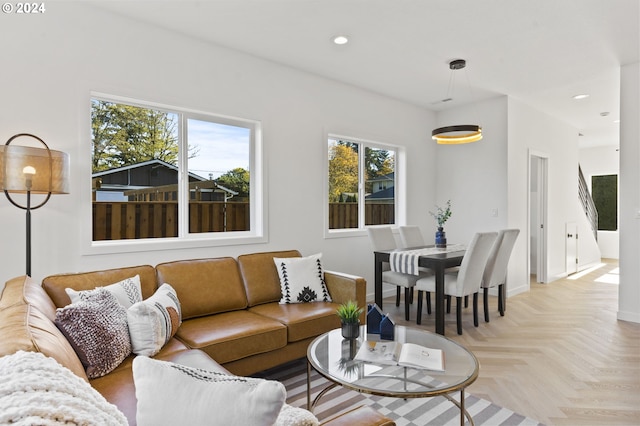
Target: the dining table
(431, 257)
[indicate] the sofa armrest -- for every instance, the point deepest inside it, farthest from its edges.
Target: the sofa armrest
(344, 287)
(360, 416)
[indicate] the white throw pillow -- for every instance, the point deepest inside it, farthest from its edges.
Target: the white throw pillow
(127, 292)
(173, 394)
(302, 279)
(154, 321)
(294, 416)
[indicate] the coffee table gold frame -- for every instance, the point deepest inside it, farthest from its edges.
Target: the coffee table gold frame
(456, 357)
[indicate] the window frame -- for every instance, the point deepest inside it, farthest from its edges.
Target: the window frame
(257, 198)
(399, 185)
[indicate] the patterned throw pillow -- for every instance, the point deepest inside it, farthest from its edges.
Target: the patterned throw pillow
(96, 328)
(154, 321)
(174, 394)
(126, 291)
(302, 279)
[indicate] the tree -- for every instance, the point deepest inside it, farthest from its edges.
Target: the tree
(236, 180)
(343, 170)
(125, 135)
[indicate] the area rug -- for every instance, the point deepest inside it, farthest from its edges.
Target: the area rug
(410, 412)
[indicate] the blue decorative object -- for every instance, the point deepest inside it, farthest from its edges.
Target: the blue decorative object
(374, 316)
(387, 328)
(441, 238)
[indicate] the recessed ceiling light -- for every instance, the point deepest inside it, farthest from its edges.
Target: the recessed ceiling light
(341, 39)
(580, 96)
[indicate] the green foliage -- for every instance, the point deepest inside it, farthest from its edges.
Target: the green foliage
(236, 180)
(605, 196)
(442, 215)
(349, 312)
(123, 135)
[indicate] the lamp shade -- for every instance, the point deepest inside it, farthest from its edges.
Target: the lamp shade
(39, 170)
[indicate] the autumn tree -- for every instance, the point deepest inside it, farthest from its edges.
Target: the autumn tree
(343, 170)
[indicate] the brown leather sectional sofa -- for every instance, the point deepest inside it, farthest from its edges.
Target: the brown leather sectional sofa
(231, 320)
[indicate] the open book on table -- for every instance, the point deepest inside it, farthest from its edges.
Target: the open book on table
(404, 354)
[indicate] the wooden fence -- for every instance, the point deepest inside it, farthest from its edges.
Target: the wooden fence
(159, 219)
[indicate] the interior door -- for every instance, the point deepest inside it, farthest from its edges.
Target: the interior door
(571, 236)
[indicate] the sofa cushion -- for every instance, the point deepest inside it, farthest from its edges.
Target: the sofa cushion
(118, 388)
(302, 279)
(260, 275)
(126, 291)
(170, 393)
(303, 320)
(205, 286)
(56, 285)
(154, 321)
(234, 335)
(97, 329)
(27, 324)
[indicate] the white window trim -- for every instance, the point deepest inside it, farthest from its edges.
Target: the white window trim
(257, 198)
(400, 186)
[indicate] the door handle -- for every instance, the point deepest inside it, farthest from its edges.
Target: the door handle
(569, 235)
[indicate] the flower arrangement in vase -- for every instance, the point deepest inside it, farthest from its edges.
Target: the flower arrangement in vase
(349, 314)
(441, 215)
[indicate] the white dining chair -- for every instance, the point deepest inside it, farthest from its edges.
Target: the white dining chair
(411, 236)
(495, 273)
(467, 280)
(382, 239)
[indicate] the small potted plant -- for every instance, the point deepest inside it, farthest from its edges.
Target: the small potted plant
(349, 314)
(441, 215)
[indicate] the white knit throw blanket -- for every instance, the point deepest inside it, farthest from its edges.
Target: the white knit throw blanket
(36, 390)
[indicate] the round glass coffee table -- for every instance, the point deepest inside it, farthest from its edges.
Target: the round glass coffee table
(332, 356)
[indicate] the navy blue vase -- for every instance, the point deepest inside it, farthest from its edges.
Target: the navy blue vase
(441, 238)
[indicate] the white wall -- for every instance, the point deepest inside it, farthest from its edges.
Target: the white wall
(533, 130)
(603, 160)
(629, 289)
(55, 60)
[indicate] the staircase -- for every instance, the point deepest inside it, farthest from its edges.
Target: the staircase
(587, 203)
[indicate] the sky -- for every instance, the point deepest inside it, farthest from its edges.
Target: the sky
(221, 148)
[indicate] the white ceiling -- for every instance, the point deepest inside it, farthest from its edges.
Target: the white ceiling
(541, 52)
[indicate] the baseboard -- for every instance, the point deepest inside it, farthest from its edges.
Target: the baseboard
(629, 316)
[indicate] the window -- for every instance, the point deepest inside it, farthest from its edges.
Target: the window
(162, 172)
(605, 197)
(360, 171)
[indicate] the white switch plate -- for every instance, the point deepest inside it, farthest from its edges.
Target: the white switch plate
(494, 212)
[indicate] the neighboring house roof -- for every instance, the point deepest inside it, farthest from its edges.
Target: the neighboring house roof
(385, 194)
(145, 164)
(151, 163)
(390, 176)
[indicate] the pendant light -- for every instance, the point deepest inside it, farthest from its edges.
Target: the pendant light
(458, 134)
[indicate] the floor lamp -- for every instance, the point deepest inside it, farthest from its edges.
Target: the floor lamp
(32, 170)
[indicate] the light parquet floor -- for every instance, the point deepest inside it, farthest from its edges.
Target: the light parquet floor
(559, 355)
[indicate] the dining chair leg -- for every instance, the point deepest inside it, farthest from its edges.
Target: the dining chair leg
(502, 300)
(475, 309)
(459, 314)
(466, 301)
(448, 304)
(419, 314)
(407, 302)
(398, 289)
(412, 295)
(485, 297)
(428, 302)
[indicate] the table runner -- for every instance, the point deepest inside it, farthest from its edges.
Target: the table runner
(406, 261)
